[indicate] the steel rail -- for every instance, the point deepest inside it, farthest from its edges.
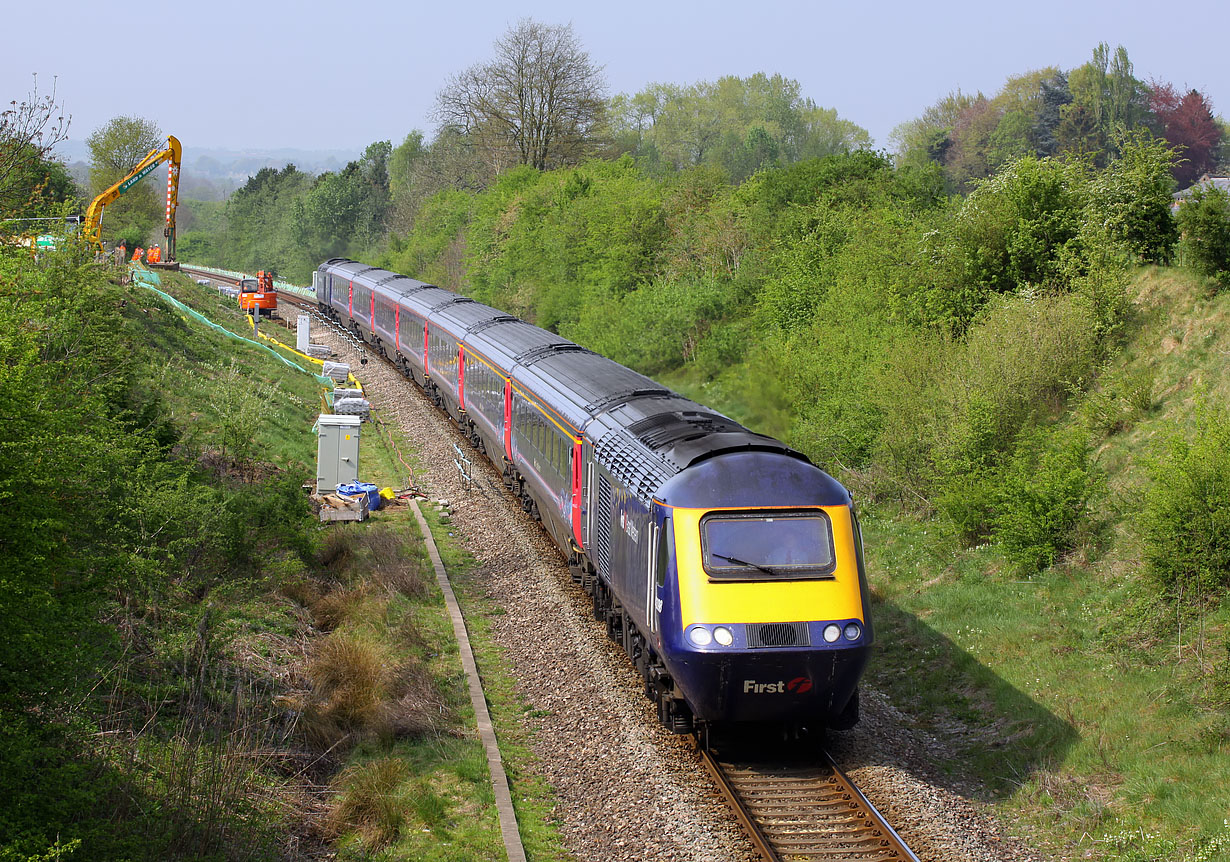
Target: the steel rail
(808, 810)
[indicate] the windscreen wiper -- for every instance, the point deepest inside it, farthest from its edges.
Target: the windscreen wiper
(739, 562)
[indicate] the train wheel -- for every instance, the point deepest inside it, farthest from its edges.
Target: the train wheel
(664, 715)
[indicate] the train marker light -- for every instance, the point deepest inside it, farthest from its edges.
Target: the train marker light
(831, 633)
(853, 631)
(700, 636)
(723, 635)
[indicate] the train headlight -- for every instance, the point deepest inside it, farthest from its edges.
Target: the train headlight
(700, 636)
(852, 632)
(831, 633)
(723, 635)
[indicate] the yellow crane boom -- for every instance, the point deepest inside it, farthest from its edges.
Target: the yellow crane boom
(155, 157)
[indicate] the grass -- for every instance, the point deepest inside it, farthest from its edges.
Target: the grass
(1077, 700)
(532, 797)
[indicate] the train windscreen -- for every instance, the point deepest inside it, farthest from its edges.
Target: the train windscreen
(767, 545)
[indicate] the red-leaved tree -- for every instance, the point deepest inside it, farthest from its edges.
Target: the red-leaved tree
(1187, 123)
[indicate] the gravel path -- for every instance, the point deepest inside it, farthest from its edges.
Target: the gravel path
(628, 789)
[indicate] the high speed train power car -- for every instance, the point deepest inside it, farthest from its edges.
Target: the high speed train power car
(728, 566)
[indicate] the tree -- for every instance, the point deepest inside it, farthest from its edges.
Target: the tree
(374, 168)
(1204, 219)
(1054, 95)
(29, 130)
(1129, 202)
(1187, 123)
(1126, 95)
(261, 232)
(1107, 99)
(540, 102)
(739, 124)
(928, 138)
(402, 160)
(115, 149)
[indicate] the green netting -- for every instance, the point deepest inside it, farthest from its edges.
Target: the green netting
(148, 279)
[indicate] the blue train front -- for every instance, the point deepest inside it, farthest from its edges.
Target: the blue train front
(764, 609)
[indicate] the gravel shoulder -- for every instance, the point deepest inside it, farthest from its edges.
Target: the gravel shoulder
(628, 789)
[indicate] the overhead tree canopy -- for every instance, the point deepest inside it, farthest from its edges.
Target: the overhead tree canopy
(539, 102)
(29, 130)
(740, 124)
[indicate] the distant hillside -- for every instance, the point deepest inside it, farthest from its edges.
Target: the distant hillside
(211, 173)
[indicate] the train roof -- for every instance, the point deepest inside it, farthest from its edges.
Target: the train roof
(506, 342)
(395, 286)
(645, 433)
(429, 300)
(752, 478)
(581, 384)
(348, 269)
(461, 319)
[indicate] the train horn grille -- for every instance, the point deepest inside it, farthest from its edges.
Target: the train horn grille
(777, 635)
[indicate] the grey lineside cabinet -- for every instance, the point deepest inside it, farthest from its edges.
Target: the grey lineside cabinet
(337, 451)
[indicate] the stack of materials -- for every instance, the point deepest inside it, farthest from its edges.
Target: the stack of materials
(339, 371)
(320, 351)
(360, 407)
(362, 489)
(343, 507)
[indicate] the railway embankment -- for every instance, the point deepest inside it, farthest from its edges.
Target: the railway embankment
(194, 668)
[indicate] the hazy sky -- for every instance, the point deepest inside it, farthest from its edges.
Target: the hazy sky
(313, 75)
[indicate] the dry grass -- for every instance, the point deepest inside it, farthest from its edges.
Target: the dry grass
(336, 607)
(388, 558)
(395, 565)
(359, 690)
(367, 802)
(337, 549)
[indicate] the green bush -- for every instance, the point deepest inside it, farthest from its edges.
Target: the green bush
(654, 328)
(1018, 364)
(1017, 227)
(1204, 219)
(1129, 202)
(1043, 497)
(1186, 521)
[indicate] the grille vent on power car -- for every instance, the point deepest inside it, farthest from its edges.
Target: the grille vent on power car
(604, 526)
(777, 635)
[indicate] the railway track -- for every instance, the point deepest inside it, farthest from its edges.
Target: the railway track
(790, 809)
(810, 810)
(301, 303)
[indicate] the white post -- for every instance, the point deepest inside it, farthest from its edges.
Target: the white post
(302, 333)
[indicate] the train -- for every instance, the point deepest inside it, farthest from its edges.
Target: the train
(728, 566)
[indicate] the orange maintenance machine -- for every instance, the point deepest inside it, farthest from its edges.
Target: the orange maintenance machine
(258, 295)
